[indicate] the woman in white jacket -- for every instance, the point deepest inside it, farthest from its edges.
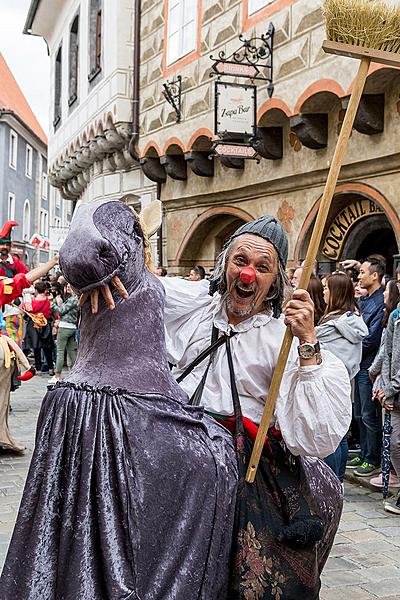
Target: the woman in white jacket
(341, 330)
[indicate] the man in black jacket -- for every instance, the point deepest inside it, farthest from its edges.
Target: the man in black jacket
(367, 411)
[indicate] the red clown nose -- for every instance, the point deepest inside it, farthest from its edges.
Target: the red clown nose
(247, 275)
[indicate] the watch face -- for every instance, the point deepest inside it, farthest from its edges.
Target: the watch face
(307, 350)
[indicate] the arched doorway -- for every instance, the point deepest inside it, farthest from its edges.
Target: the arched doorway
(360, 222)
(371, 236)
(207, 235)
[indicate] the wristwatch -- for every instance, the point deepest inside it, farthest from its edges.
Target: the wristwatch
(308, 350)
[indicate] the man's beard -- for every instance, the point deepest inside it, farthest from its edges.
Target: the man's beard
(239, 313)
(234, 310)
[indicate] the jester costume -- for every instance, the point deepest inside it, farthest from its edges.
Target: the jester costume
(10, 266)
(10, 357)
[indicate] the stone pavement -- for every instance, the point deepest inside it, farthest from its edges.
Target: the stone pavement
(364, 563)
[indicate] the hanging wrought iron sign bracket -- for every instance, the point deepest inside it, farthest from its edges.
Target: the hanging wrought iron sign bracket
(173, 94)
(252, 60)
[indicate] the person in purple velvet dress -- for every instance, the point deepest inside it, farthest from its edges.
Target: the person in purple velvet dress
(131, 492)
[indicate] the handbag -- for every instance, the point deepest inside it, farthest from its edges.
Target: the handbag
(276, 527)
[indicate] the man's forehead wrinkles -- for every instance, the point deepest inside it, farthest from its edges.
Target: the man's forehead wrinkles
(250, 246)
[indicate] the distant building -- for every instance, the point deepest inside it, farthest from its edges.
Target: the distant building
(24, 187)
(91, 51)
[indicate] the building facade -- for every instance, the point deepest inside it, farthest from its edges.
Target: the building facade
(24, 186)
(115, 134)
(205, 197)
(91, 52)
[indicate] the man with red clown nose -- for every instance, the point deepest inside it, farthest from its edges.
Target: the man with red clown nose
(313, 410)
(248, 288)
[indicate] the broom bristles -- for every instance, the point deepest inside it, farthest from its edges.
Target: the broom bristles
(368, 23)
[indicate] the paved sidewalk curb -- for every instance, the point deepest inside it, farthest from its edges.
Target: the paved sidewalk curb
(363, 481)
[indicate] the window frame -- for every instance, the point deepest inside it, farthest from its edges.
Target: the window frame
(26, 233)
(44, 185)
(95, 39)
(263, 12)
(13, 150)
(263, 4)
(170, 66)
(57, 88)
(11, 206)
(44, 223)
(28, 161)
(73, 60)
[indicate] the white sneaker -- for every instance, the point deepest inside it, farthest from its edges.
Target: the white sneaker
(392, 505)
(53, 379)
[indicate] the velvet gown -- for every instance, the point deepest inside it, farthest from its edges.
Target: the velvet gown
(130, 492)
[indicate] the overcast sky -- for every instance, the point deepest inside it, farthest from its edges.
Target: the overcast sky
(26, 55)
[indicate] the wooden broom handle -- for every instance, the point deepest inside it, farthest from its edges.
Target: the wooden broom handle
(315, 241)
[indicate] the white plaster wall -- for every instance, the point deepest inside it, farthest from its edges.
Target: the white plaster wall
(112, 91)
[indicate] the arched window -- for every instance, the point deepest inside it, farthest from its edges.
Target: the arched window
(26, 228)
(73, 61)
(57, 88)
(95, 38)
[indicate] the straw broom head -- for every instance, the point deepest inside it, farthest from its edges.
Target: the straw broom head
(367, 23)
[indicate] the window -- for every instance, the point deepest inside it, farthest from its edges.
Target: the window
(73, 61)
(44, 186)
(28, 161)
(57, 88)
(57, 222)
(44, 223)
(182, 29)
(255, 5)
(26, 226)
(13, 149)
(11, 207)
(95, 34)
(58, 199)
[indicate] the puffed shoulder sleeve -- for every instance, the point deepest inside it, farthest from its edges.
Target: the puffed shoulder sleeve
(186, 303)
(12, 288)
(313, 410)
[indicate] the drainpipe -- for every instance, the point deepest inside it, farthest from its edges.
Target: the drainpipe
(133, 151)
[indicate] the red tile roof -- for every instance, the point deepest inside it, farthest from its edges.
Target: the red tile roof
(12, 99)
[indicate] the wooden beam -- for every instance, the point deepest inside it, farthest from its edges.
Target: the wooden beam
(379, 56)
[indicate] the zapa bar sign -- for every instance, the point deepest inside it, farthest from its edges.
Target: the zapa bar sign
(235, 109)
(343, 222)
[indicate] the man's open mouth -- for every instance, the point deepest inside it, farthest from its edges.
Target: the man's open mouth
(244, 292)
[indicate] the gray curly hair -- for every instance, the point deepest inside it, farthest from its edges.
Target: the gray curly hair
(276, 294)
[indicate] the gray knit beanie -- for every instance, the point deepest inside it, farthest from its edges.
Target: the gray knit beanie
(270, 229)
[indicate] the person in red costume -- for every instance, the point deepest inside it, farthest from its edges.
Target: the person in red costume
(9, 265)
(11, 288)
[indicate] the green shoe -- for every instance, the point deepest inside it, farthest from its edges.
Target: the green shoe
(355, 462)
(366, 470)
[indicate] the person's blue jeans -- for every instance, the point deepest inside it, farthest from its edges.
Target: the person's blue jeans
(337, 460)
(367, 412)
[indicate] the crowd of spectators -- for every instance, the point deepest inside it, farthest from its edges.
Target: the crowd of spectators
(55, 343)
(357, 318)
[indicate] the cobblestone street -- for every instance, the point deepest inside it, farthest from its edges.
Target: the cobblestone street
(364, 561)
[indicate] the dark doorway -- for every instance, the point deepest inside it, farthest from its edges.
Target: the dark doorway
(373, 235)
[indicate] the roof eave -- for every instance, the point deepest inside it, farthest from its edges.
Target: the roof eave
(11, 113)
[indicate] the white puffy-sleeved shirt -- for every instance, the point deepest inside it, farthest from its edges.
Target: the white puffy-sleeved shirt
(313, 410)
